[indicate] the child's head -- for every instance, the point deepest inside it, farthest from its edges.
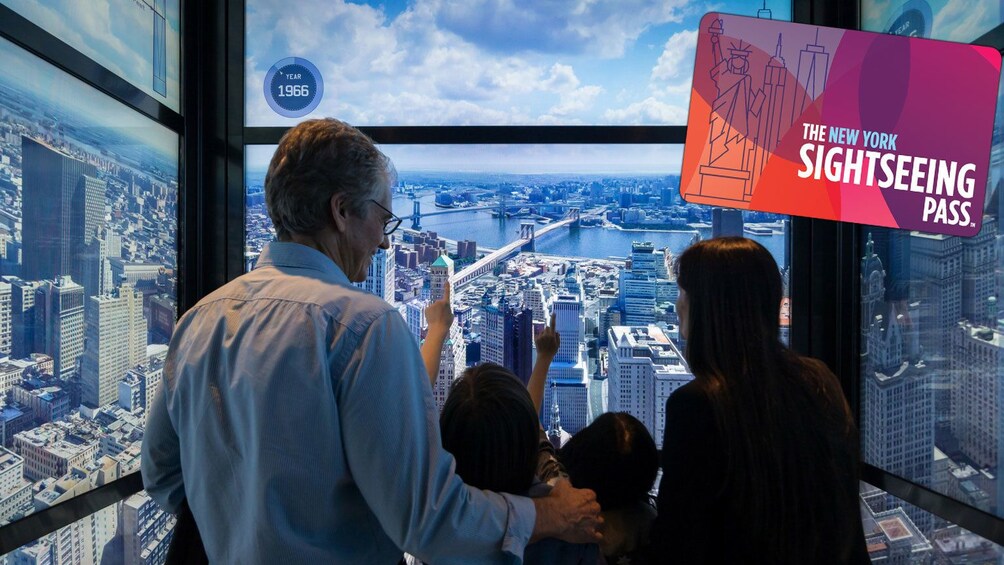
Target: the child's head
(491, 428)
(615, 456)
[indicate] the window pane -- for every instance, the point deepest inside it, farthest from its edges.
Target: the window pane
(608, 278)
(88, 257)
(932, 344)
(953, 20)
(897, 532)
(486, 63)
(136, 39)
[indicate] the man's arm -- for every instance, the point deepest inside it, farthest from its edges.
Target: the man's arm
(439, 316)
(160, 458)
(393, 448)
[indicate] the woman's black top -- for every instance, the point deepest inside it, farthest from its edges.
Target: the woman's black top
(698, 520)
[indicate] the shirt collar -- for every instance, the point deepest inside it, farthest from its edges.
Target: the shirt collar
(296, 255)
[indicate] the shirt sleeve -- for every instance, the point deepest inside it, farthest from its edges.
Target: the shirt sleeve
(549, 469)
(160, 458)
(390, 431)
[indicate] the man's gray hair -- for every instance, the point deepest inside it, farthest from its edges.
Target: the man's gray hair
(314, 161)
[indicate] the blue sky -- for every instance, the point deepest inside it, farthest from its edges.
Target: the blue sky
(464, 62)
(118, 34)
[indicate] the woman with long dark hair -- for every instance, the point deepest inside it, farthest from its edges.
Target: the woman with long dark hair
(760, 458)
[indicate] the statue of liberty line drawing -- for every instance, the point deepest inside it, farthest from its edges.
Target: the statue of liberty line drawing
(750, 111)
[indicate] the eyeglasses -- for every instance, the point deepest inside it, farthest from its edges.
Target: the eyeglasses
(391, 224)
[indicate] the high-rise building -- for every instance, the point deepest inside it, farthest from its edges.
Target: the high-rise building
(897, 402)
(568, 372)
(606, 298)
(95, 264)
(454, 355)
(507, 337)
(380, 275)
(726, 222)
(533, 297)
(977, 367)
(15, 491)
(22, 316)
(6, 337)
(59, 323)
(63, 207)
(936, 272)
(116, 342)
(979, 259)
(146, 530)
(638, 296)
(645, 367)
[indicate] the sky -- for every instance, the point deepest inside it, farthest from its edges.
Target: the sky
(117, 34)
(476, 62)
(29, 73)
(626, 159)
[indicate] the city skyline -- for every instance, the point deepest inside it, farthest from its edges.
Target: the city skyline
(516, 159)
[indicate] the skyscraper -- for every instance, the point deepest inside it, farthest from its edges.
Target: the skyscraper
(380, 275)
(726, 222)
(59, 323)
(977, 365)
(22, 316)
(116, 342)
(507, 337)
(454, 355)
(568, 372)
(979, 259)
(897, 402)
(62, 208)
(645, 368)
(5, 318)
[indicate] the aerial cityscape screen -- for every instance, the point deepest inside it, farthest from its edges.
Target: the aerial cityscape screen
(588, 232)
(88, 279)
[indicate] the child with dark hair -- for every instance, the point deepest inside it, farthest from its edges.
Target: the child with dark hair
(490, 424)
(616, 457)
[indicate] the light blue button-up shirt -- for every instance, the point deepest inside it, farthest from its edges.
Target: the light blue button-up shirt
(296, 417)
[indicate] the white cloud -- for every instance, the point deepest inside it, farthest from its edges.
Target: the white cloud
(677, 59)
(964, 21)
(648, 111)
(576, 101)
(599, 27)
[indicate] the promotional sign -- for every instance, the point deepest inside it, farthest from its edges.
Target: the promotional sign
(841, 125)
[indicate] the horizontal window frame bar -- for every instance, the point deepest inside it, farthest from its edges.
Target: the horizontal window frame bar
(44, 522)
(984, 524)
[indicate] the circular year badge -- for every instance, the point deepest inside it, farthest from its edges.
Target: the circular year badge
(293, 87)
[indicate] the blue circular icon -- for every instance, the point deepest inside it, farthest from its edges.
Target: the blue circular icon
(293, 87)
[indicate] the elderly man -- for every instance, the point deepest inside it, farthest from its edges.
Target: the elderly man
(295, 415)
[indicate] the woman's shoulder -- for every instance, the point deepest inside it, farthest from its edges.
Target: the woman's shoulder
(691, 396)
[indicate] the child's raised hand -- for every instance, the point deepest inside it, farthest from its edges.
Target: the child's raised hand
(548, 340)
(439, 314)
